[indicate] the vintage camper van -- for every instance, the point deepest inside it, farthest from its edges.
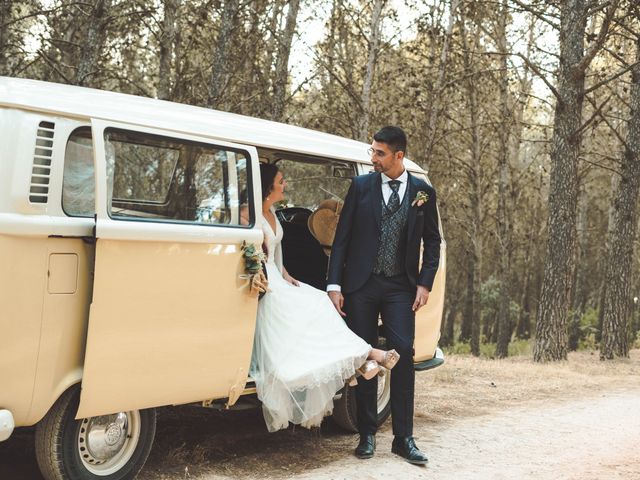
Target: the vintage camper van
(121, 271)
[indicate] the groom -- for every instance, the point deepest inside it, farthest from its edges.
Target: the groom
(374, 271)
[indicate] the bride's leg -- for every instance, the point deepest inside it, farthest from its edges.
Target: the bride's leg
(386, 358)
(377, 355)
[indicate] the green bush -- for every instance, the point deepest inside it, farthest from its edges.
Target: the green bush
(458, 348)
(589, 330)
(488, 350)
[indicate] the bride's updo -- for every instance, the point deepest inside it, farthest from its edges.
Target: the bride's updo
(268, 172)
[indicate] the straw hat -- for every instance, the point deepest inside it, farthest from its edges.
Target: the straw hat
(323, 223)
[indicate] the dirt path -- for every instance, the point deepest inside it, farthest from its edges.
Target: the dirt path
(476, 419)
(592, 438)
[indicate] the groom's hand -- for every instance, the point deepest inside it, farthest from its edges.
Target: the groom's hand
(422, 296)
(338, 301)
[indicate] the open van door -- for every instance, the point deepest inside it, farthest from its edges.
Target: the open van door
(172, 320)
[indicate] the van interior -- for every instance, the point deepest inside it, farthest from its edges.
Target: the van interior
(309, 181)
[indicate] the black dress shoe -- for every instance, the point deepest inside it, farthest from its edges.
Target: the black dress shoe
(407, 449)
(366, 447)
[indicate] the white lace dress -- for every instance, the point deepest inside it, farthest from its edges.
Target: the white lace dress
(303, 350)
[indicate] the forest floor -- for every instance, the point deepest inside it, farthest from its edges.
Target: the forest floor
(475, 419)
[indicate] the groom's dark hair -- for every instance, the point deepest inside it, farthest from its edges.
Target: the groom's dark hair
(392, 136)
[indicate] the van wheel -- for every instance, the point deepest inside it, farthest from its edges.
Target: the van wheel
(109, 447)
(344, 409)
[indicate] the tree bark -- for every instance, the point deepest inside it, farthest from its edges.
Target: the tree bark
(434, 107)
(446, 332)
(220, 54)
(372, 55)
(617, 299)
(5, 16)
(577, 297)
(470, 308)
(474, 177)
(167, 43)
(504, 228)
(93, 42)
(282, 62)
(551, 326)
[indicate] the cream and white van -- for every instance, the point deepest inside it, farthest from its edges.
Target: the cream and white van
(121, 268)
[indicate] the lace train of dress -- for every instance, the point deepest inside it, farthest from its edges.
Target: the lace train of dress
(303, 351)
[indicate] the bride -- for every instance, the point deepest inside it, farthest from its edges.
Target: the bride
(303, 351)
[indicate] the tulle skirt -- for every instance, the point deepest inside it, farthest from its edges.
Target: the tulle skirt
(303, 353)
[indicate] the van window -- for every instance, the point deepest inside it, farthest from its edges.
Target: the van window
(78, 183)
(308, 183)
(166, 179)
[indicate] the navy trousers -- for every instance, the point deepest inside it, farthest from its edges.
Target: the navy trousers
(392, 299)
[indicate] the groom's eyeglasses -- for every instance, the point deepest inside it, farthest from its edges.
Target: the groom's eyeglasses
(378, 153)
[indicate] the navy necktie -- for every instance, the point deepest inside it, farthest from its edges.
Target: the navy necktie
(394, 200)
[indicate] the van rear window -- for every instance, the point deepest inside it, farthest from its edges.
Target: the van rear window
(78, 183)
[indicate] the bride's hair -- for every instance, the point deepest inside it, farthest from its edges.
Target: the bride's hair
(268, 172)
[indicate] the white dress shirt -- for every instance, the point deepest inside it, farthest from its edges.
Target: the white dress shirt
(386, 193)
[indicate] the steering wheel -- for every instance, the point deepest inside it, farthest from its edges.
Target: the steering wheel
(294, 214)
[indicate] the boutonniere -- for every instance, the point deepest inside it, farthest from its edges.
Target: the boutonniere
(421, 199)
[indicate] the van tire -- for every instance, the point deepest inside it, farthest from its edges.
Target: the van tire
(59, 438)
(345, 413)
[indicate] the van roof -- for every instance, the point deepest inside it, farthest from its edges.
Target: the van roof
(87, 103)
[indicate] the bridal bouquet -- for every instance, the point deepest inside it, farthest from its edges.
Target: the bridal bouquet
(253, 259)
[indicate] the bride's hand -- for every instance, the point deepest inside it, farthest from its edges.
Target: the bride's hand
(291, 280)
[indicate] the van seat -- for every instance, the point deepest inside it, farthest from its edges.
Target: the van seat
(303, 257)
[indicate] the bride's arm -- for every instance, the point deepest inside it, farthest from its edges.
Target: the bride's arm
(277, 256)
(289, 278)
(280, 264)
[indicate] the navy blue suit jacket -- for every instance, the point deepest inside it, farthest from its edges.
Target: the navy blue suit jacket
(355, 246)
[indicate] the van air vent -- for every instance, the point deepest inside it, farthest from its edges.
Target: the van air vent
(41, 172)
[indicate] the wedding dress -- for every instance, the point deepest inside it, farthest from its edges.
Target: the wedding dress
(303, 351)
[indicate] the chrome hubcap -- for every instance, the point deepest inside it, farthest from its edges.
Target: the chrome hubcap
(103, 437)
(107, 442)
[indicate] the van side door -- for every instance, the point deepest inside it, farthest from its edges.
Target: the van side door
(171, 320)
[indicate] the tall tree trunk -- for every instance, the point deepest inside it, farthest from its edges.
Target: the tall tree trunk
(434, 106)
(221, 68)
(580, 293)
(5, 16)
(373, 50)
(617, 301)
(336, 7)
(576, 298)
(271, 46)
(167, 42)
(475, 181)
(504, 228)
(615, 182)
(446, 332)
(282, 62)
(470, 308)
(93, 43)
(551, 325)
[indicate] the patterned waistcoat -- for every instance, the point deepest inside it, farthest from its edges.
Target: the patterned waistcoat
(391, 254)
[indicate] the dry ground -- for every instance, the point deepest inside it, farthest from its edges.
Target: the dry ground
(475, 418)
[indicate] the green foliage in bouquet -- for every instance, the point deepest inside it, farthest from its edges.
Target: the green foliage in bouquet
(253, 258)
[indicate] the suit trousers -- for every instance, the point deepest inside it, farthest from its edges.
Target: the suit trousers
(392, 299)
